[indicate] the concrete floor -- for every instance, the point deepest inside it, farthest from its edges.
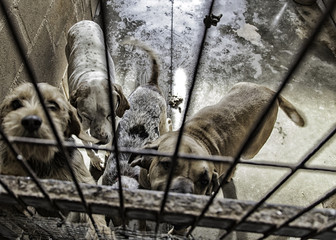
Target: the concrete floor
(255, 41)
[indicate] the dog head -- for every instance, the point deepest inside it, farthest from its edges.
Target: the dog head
(189, 176)
(92, 104)
(22, 115)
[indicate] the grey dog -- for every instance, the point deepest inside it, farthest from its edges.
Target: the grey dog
(144, 122)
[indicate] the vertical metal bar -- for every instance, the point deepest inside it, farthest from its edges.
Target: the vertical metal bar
(315, 233)
(18, 199)
(31, 173)
(51, 123)
(299, 214)
(158, 220)
(171, 45)
(113, 122)
(284, 180)
(286, 79)
(303, 162)
(179, 138)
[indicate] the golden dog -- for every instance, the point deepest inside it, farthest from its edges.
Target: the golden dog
(21, 115)
(218, 130)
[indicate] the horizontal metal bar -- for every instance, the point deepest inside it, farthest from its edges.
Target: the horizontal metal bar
(33, 79)
(180, 208)
(220, 159)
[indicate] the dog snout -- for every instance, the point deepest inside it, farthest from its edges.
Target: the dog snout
(182, 185)
(100, 134)
(103, 139)
(31, 123)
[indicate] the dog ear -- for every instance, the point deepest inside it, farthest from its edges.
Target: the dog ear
(123, 103)
(144, 161)
(214, 183)
(75, 127)
(81, 92)
(73, 98)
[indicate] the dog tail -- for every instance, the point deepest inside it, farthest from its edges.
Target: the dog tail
(291, 111)
(155, 62)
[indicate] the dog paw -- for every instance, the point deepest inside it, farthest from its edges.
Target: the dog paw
(104, 233)
(178, 232)
(169, 125)
(97, 162)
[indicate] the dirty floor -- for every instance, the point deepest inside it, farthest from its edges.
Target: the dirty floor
(255, 41)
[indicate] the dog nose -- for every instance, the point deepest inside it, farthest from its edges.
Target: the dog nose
(31, 123)
(104, 140)
(182, 185)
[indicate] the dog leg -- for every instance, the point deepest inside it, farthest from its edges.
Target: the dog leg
(95, 160)
(229, 190)
(97, 165)
(169, 125)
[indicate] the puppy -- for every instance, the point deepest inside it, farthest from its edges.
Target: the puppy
(143, 122)
(88, 82)
(215, 130)
(21, 115)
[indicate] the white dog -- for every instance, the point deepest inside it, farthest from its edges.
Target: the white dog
(88, 82)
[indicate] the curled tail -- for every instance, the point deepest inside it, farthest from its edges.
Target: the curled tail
(291, 111)
(155, 63)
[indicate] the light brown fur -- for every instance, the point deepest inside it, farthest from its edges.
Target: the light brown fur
(22, 107)
(215, 130)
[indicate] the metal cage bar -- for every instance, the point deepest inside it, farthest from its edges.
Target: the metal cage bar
(179, 138)
(285, 80)
(113, 122)
(283, 181)
(32, 77)
(233, 161)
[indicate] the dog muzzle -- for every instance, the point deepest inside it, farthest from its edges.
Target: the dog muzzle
(182, 185)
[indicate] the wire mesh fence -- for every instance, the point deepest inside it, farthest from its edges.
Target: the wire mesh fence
(158, 207)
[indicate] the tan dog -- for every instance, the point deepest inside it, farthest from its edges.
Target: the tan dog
(215, 130)
(21, 115)
(88, 83)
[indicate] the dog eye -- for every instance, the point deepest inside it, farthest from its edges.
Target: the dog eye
(165, 165)
(84, 116)
(16, 104)
(109, 118)
(204, 182)
(53, 106)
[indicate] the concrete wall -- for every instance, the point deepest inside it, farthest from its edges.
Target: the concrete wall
(42, 26)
